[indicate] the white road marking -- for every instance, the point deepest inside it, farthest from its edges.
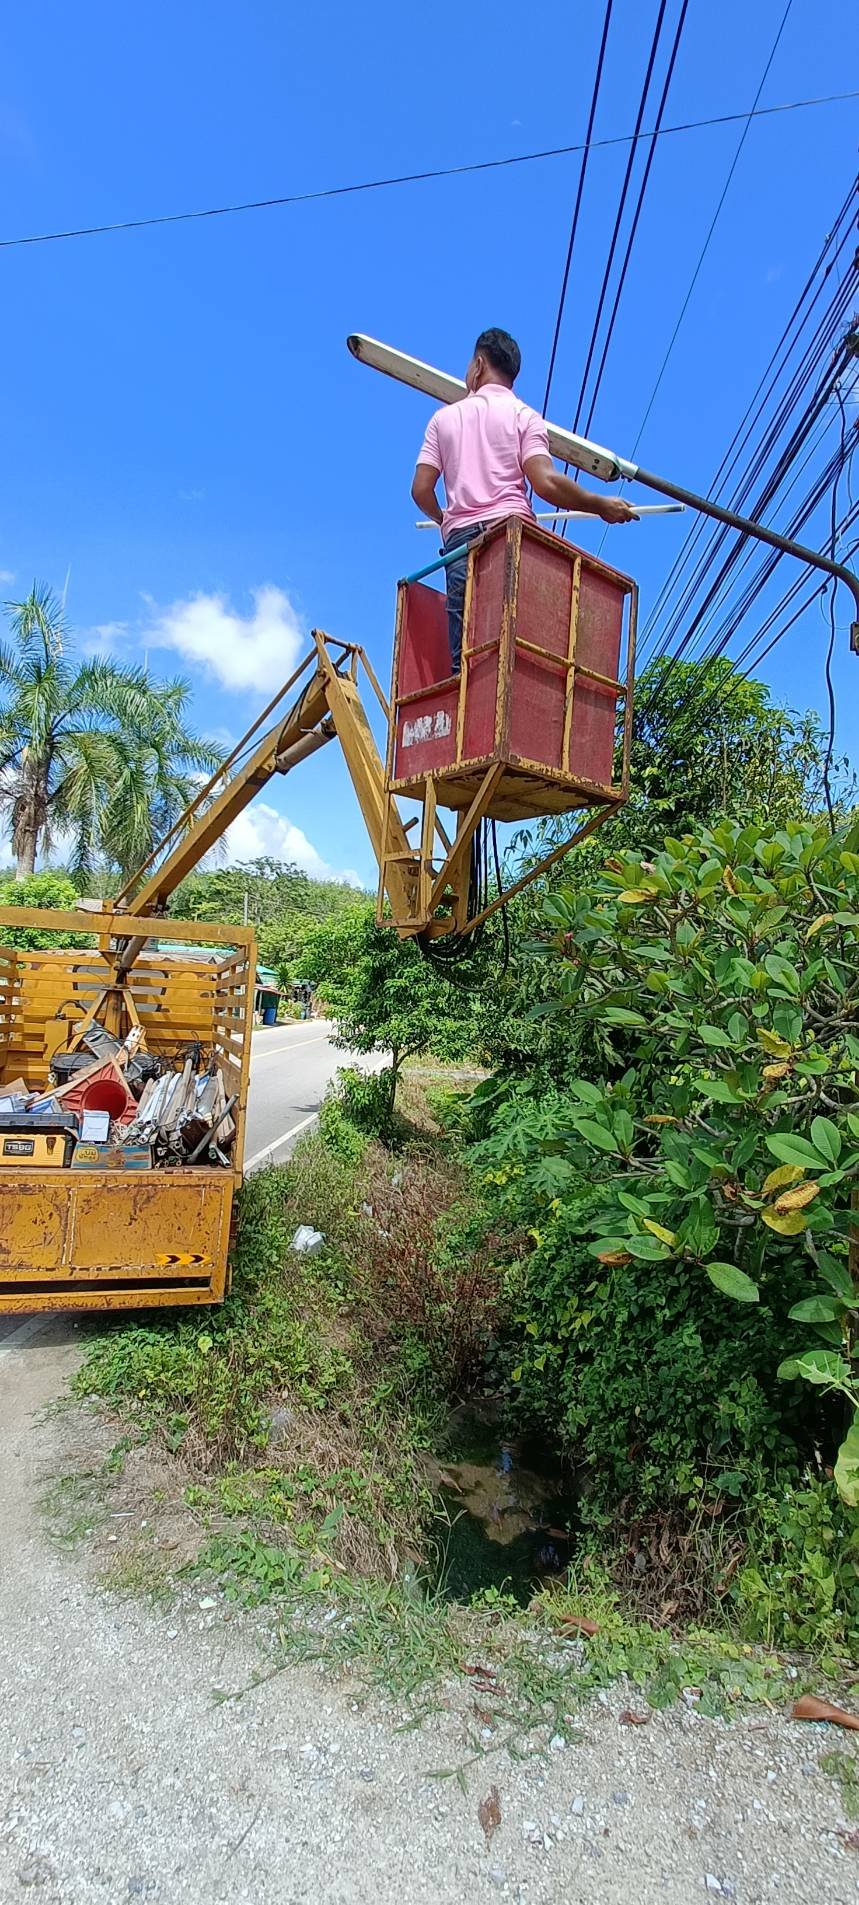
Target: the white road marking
(292, 1045)
(24, 1334)
(268, 1149)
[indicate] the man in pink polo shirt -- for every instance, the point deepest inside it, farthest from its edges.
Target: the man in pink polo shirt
(487, 448)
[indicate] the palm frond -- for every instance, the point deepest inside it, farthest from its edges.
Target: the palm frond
(39, 621)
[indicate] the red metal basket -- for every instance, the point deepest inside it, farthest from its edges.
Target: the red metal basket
(547, 669)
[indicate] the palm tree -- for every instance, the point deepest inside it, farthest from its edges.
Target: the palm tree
(160, 764)
(90, 750)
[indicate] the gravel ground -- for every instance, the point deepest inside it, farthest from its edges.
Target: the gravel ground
(121, 1779)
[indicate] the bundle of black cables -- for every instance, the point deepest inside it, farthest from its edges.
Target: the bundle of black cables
(457, 954)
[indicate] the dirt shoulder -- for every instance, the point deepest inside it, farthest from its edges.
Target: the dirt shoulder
(123, 1777)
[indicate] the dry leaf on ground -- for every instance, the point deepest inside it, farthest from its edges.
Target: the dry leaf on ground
(809, 1707)
(489, 1813)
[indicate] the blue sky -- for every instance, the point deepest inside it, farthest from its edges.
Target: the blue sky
(183, 428)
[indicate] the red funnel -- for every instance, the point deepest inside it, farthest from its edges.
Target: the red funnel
(104, 1094)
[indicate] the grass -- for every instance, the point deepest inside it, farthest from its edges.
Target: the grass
(280, 1405)
(140, 1575)
(844, 1769)
(522, 1678)
(299, 1412)
(73, 1507)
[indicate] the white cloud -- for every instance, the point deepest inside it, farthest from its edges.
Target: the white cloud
(262, 832)
(104, 637)
(243, 652)
(7, 575)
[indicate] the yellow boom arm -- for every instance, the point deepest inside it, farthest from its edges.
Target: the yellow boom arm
(328, 705)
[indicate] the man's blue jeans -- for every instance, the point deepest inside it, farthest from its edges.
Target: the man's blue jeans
(456, 572)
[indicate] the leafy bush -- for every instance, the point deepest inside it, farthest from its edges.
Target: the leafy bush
(799, 1586)
(368, 1100)
(339, 1135)
(734, 951)
(652, 1381)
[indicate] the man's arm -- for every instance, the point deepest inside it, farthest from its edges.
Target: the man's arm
(563, 493)
(423, 491)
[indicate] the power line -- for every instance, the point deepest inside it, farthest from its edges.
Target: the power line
(765, 387)
(766, 496)
(700, 703)
(637, 213)
(713, 223)
(703, 703)
(809, 374)
(719, 642)
(574, 225)
(642, 107)
(827, 669)
(642, 190)
(420, 178)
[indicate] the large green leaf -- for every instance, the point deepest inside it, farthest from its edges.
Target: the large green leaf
(714, 1035)
(782, 971)
(827, 1138)
(791, 1149)
(846, 1469)
(589, 1094)
(816, 1309)
(596, 1134)
(720, 1089)
(837, 1274)
(649, 1249)
(822, 1366)
(733, 1282)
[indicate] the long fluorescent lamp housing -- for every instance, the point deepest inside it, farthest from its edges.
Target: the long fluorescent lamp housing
(605, 464)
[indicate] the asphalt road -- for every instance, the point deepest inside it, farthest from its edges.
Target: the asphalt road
(291, 1066)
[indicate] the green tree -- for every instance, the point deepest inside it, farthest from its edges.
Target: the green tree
(89, 749)
(282, 901)
(707, 742)
(48, 889)
(384, 994)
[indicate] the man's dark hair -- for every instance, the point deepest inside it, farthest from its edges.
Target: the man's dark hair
(501, 351)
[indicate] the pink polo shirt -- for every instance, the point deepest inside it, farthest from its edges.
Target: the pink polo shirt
(480, 446)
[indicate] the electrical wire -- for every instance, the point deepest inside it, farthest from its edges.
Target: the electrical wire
(562, 528)
(678, 34)
(642, 107)
(458, 954)
(421, 178)
(827, 668)
(759, 510)
(577, 206)
(745, 551)
(711, 228)
(766, 385)
(705, 703)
